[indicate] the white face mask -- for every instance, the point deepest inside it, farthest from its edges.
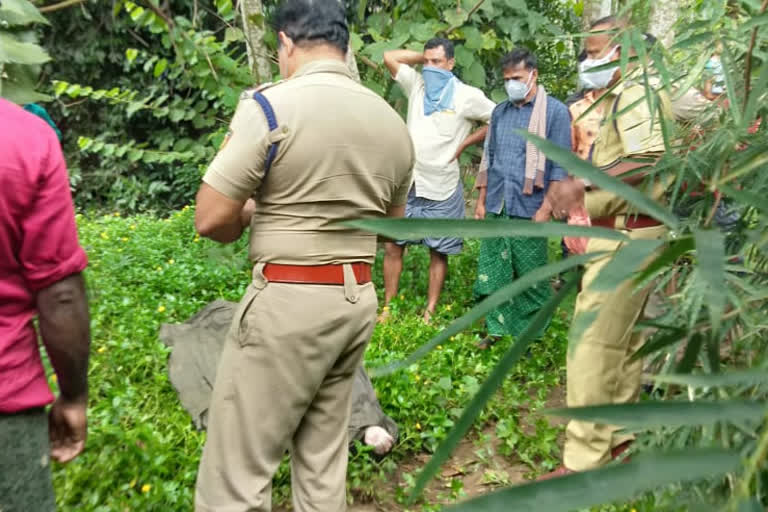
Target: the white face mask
(596, 79)
(517, 90)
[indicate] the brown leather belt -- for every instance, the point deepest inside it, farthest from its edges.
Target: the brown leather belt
(315, 274)
(626, 222)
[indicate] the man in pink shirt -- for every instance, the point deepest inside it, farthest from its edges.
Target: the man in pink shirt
(40, 276)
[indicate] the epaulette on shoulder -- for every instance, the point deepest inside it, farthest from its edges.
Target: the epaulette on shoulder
(259, 88)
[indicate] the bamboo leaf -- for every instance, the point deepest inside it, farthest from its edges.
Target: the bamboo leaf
(659, 342)
(505, 294)
(608, 484)
(710, 253)
(583, 169)
(415, 229)
(730, 85)
(674, 251)
(751, 377)
(665, 414)
(489, 387)
(623, 264)
(691, 354)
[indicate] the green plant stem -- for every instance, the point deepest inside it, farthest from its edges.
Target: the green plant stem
(748, 65)
(60, 5)
(752, 466)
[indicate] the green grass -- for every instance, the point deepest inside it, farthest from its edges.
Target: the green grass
(143, 452)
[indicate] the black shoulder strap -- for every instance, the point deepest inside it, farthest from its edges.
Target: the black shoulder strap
(615, 109)
(269, 113)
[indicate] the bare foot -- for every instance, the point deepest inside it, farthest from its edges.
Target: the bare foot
(427, 317)
(380, 439)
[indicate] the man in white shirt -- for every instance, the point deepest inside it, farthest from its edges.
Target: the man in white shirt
(441, 113)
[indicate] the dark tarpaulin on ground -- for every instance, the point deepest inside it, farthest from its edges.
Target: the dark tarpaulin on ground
(195, 349)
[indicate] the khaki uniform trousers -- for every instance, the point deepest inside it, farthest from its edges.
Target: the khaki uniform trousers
(599, 366)
(284, 382)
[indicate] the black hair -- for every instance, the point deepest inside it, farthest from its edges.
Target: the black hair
(582, 56)
(437, 42)
(312, 22)
(611, 21)
(518, 55)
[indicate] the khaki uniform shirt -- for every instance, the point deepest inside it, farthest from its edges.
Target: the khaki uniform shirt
(634, 132)
(343, 154)
(585, 128)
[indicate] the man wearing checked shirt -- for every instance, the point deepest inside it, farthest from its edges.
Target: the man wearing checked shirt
(514, 182)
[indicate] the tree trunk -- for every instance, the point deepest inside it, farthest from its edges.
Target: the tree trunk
(253, 28)
(594, 10)
(258, 60)
(663, 17)
(352, 63)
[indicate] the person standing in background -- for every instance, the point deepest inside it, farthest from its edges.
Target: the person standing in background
(441, 113)
(41, 265)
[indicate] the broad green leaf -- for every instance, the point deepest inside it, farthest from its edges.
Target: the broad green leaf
(644, 472)
(355, 41)
(489, 387)
(623, 264)
(131, 54)
(20, 12)
(473, 38)
(21, 93)
(751, 377)
(506, 294)
(13, 51)
(575, 165)
(160, 66)
(475, 75)
(464, 57)
(710, 254)
(455, 18)
(415, 229)
(665, 414)
(422, 32)
(236, 34)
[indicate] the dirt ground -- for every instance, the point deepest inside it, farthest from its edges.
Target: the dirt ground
(476, 462)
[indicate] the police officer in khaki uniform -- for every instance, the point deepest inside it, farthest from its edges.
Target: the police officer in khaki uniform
(600, 366)
(336, 151)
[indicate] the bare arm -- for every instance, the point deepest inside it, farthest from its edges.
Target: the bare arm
(393, 59)
(219, 217)
(396, 211)
(480, 206)
(65, 329)
(476, 137)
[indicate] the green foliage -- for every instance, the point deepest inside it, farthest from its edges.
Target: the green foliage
(151, 102)
(145, 94)
(482, 32)
(143, 451)
(20, 56)
(715, 282)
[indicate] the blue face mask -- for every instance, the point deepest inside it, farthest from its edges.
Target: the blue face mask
(439, 87)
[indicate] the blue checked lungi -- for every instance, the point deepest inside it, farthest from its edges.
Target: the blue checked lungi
(422, 208)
